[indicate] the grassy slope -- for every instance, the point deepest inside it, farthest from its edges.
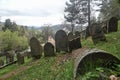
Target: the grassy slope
(112, 45)
(48, 69)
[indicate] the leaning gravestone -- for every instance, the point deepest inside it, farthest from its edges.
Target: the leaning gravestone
(20, 58)
(36, 48)
(9, 56)
(97, 33)
(61, 41)
(49, 50)
(113, 25)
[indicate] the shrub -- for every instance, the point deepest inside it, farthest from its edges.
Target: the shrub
(12, 41)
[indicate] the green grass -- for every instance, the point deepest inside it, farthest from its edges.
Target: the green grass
(47, 69)
(112, 45)
(13, 67)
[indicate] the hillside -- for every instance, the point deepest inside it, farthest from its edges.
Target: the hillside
(60, 67)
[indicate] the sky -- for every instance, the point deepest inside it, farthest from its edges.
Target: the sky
(33, 12)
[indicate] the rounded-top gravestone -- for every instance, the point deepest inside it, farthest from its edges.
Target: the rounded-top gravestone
(49, 50)
(61, 41)
(113, 25)
(36, 48)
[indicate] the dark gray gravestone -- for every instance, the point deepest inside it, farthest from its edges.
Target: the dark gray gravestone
(1, 62)
(49, 50)
(61, 41)
(20, 58)
(97, 33)
(9, 57)
(36, 48)
(74, 44)
(113, 25)
(77, 43)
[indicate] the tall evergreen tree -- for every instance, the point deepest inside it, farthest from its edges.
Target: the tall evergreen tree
(12, 26)
(71, 12)
(79, 11)
(109, 9)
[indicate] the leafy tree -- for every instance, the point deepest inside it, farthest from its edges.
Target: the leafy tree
(46, 32)
(12, 26)
(78, 12)
(71, 11)
(12, 41)
(109, 9)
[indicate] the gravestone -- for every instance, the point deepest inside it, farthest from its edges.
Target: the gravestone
(1, 62)
(97, 33)
(74, 44)
(9, 56)
(36, 48)
(77, 43)
(49, 50)
(61, 41)
(113, 25)
(20, 58)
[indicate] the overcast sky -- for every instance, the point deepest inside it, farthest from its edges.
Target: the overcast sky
(33, 12)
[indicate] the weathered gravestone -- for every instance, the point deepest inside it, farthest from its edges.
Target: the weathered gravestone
(49, 50)
(1, 62)
(9, 56)
(20, 58)
(36, 48)
(61, 41)
(97, 33)
(74, 41)
(113, 25)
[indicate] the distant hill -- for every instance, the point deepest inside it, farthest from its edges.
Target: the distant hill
(55, 28)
